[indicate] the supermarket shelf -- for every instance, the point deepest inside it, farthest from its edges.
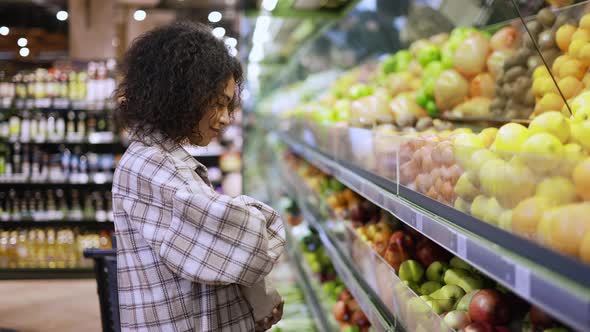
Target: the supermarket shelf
(311, 298)
(376, 312)
(85, 223)
(492, 120)
(45, 273)
(56, 104)
(558, 284)
(29, 185)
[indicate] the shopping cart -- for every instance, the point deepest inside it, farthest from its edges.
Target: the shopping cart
(105, 270)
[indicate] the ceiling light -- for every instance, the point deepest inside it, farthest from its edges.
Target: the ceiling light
(214, 16)
(22, 42)
(62, 15)
(24, 52)
(231, 42)
(4, 31)
(269, 5)
(219, 32)
(139, 15)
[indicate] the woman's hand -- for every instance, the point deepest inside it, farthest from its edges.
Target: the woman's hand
(268, 322)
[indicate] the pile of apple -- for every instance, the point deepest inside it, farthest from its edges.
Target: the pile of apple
(349, 315)
(532, 181)
(569, 69)
(428, 165)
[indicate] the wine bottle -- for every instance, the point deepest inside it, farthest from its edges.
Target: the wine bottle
(42, 130)
(71, 127)
(14, 125)
(81, 129)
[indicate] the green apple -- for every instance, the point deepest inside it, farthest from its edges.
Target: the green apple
(460, 264)
(463, 303)
(436, 271)
(438, 306)
(411, 270)
(359, 90)
(414, 286)
(449, 292)
(430, 287)
(428, 54)
(463, 279)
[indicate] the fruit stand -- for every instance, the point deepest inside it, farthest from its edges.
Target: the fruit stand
(447, 179)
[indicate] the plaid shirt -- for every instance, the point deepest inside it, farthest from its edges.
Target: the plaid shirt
(184, 251)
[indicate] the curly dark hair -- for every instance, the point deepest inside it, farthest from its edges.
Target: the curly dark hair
(171, 76)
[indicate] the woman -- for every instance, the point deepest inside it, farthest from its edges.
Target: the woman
(184, 252)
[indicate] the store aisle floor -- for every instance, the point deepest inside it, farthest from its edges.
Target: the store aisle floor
(49, 305)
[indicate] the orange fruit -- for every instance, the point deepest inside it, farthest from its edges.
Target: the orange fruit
(581, 177)
(528, 214)
(568, 226)
(585, 248)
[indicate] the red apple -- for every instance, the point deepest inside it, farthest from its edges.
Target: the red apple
(488, 306)
(539, 318)
(340, 312)
(428, 252)
(501, 329)
(356, 212)
(352, 305)
(457, 319)
(345, 296)
(359, 319)
(479, 327)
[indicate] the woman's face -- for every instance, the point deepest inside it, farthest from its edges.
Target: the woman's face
(216, 117)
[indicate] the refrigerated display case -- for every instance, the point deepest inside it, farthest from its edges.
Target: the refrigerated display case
(465, 120)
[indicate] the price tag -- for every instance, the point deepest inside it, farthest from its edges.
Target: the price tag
(461, 246)
(419, 217)
(522, 281)
(408, 216)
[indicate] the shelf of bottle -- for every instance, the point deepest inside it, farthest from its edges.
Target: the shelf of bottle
(46, 273)
(101, 179)
(83, 223)
(106, 138)
(557, 283)
(57, 104)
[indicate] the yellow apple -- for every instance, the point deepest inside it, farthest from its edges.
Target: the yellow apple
(464, 144)
(478, 207)
(558, 189)
(505, 220)
(510, 137)
(488, 136)
(542, 152)
(580, 132)
(465, 189)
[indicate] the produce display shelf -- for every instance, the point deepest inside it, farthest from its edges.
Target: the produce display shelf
(496, 121)
(311, 298)
(556, 283)
(45, 273)
(376, 312)
(85, 223)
